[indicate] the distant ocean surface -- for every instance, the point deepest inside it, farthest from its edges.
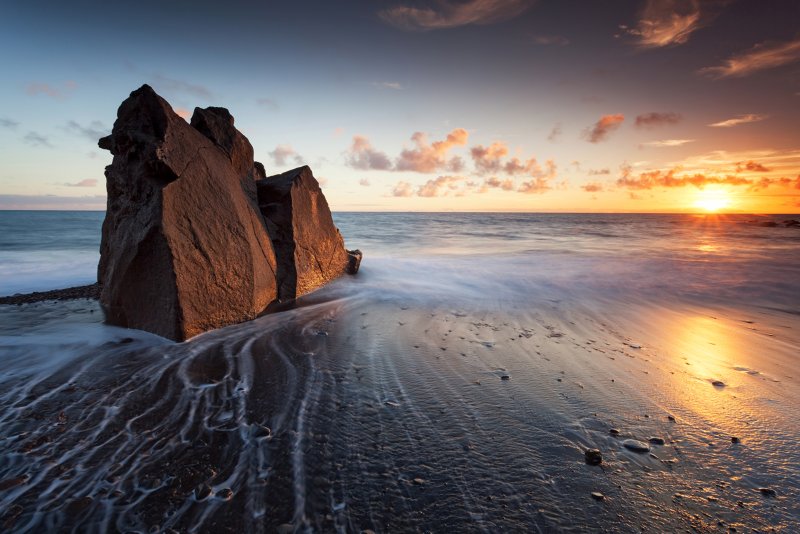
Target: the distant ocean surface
(713, 256)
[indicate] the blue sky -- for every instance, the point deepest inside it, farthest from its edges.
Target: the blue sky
(551, 105)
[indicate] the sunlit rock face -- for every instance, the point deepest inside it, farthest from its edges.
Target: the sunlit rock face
(184, 248)
(309, 247)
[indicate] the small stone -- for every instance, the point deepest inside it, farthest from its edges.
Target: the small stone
(768, 492)
(261, 431)
(505, 377)
(657, 441)
(718, 384)
(225, 494)
(671, 418)
(614, 432)
(202, 492)
(636, 446)
(593, 456)
(418, 481)
(596, 495)
(734, 439)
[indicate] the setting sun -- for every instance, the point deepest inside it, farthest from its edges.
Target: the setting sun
(712, 200)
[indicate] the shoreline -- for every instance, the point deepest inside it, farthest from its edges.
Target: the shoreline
(91, 292)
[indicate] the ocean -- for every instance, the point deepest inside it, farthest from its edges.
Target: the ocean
(454, 383)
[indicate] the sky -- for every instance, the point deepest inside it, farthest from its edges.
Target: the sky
(426, 105)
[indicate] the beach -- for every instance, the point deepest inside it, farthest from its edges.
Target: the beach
(455, 383)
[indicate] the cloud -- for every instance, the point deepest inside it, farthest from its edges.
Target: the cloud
(183, 113)
(268, 103)
(450, 14)
(741, 119)
(431, 157)
(497, 183)
(599, 172)
(8, 123)
(666, 23)
(403, 189)
(441, 186)
(535, 186)
(36, 89)
(93, 131)
(761, 57)
(283, 152)
(35, 139)
(364, 182)
(389, 85)
(362, 156)
(592, 187)
(555, 133)
(88, 182)
(655, 119)
(489, 159)
(166, 84)
(670, 179)
(668, 143)
(603, 127)
(548, 40)
(751, 166)
(52, 202)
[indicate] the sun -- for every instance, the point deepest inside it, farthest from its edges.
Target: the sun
(712, 200)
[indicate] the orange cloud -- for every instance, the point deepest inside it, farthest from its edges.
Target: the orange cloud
(488, 159)
(592, 187)
(654, 119)
(403, 189)
(362, 156)
(35, 89)
(741, 119)
(497, 183)
(760, 57)
(603, 127)
(183, 113)
(668, 143)
(431, 157)
(449, 14)
(666, 22)
(535, 186)
(670, 179)
(88, 182)
(751, 166)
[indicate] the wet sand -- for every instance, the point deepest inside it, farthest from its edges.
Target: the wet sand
(414, 406)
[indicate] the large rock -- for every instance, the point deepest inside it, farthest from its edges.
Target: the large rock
(184, 248)
(309, 247)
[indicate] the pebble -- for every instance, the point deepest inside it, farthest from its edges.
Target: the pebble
(614, 432)
(718, 384)
(636, 446)
(418, 481)
(225, 494)
(261, 431)
(593, 456)
(596, 495)
(734, 439)
(505, 377)
(202, 492)
(657, 441)
(768, 492)
(671, 418)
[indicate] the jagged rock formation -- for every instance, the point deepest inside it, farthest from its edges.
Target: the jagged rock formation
(185, 248)
(308, 245)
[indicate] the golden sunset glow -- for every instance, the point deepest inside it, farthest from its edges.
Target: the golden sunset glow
(712, 200)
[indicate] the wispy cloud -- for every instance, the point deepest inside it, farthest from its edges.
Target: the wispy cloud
(751, 166)
(671, 178)
(551, 40)
(8, 123)
(36, 139)
(53, 91)
(283, 153)
(655, 119)
(666, 23)
(183, 113)
(403, 189)
(451, 14)
(389, 85)
(555, 133)
(599, 172)
(362, 155)
(741, 119)
(431, 157)
(592, 187)
(497, 183)
(761, 57)
(603, 127)
(171, 85)
(666, 143)
(440, 186)
(489, 159)
(88, 182)
(535, 186)
(92, 131)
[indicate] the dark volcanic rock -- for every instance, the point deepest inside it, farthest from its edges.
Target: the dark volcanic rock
(184, 249)
(309, 248)
(71, 293)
